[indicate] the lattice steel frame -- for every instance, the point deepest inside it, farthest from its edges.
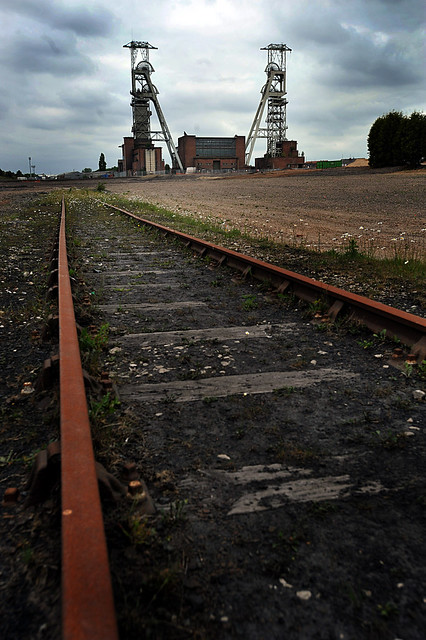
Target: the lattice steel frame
(273, 94)
(143, 91)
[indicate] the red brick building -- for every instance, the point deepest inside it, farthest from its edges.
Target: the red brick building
(289, 158)
(139, 159)
(211, 153)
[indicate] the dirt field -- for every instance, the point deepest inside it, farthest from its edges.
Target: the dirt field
(382, 211)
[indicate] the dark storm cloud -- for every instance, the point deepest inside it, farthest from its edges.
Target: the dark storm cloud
(394, 14)
(97, 97)
(4, 108)
(363, 46)
(66, 77)
(78, 111)
(334, 123)
(82, 20)
(86, 99)
(85, 22)
(364, 64)
(53, 54)
(322, 30)
(43, 123)
(46, 37)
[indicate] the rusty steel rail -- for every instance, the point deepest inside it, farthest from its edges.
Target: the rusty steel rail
(407, 327)
(87, 599)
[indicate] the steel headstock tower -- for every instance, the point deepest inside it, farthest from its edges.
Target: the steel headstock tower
(143, 92)
(273, 94)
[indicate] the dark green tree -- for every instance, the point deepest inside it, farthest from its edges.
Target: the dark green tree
(414, 139)
(376, 145)
(384, 140)
(102, 163)
(397, 140)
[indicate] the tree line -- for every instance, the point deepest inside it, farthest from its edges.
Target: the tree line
(10, 174)
(397, 140)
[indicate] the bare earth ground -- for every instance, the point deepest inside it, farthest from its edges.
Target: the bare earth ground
(383, 211)
(363, 561)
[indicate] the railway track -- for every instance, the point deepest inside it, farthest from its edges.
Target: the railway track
(202, 358)
(406, 327)
(276, 447)
(87, 600)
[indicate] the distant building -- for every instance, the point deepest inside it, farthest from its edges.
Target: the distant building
(72, 175)
(211, 153)
(137, 159)
(329, 164)
(287, 158)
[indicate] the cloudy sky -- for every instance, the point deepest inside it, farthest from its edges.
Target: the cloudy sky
(65, 75)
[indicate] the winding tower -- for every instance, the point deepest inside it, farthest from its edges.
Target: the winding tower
(273, 95)
(143, 94)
